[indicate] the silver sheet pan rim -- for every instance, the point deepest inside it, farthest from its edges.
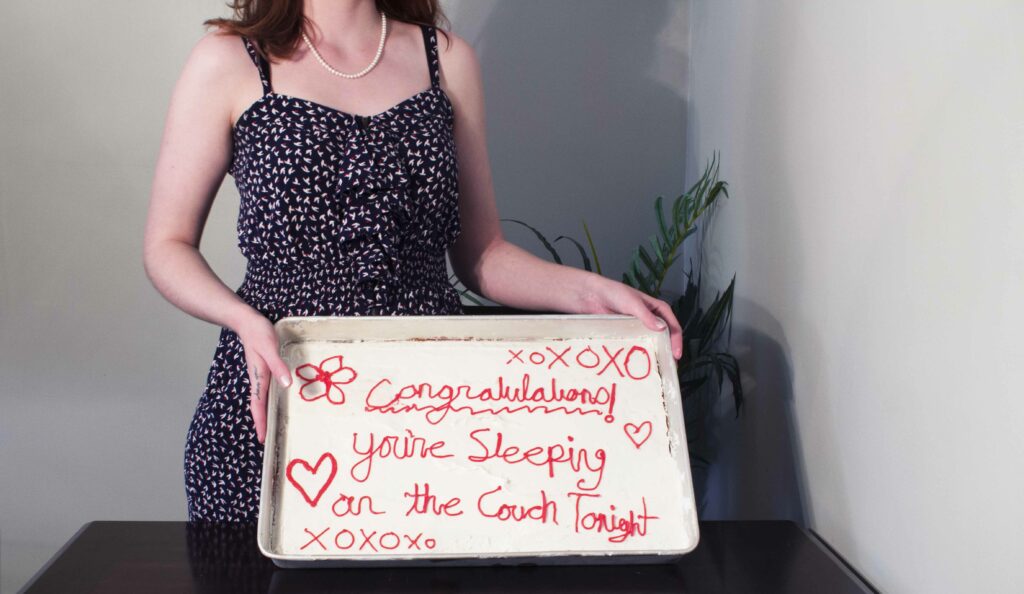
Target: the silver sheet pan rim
(461, 327)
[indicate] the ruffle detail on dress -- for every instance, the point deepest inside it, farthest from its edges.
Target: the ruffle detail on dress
(374, 194)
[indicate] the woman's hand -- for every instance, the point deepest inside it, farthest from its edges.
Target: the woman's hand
(604, 295)
(262, 358)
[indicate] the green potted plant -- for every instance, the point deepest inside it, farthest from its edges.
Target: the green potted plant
(706, 362)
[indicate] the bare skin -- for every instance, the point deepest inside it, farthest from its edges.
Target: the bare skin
(217, 84)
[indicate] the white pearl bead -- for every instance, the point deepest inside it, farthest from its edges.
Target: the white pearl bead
(380, 51)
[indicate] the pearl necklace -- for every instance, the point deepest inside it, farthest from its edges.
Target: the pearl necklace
(380, 51)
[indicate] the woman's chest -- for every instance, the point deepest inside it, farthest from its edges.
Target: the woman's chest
(285, 143)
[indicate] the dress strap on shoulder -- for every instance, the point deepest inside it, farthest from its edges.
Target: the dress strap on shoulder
(430, 41)
(261, 64)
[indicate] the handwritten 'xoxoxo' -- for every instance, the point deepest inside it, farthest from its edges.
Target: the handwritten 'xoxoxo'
(634, 364)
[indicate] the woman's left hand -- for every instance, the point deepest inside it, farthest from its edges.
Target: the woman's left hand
(604, 295)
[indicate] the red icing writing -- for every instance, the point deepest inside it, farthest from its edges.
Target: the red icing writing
(638, 434)
(311, 474)
(579, 459)
(346, 505)
(620, 527)
(314, 538)
(437, 401)
(425, 502)
(546, 510)
(372, 541)
(398, 447)
(321, 381)
(636, 364)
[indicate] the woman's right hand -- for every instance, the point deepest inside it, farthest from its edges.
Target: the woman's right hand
(262, 357)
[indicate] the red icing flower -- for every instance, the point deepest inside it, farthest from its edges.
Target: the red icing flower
(321, 380)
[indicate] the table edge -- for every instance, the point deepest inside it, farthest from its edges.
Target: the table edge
(53, 558)
(847, 567)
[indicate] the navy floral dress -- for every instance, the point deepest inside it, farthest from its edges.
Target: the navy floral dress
(340, 214)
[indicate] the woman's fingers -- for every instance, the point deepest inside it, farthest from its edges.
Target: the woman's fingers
(656, 314)
(259, 375)
(664, 310)
(610, 296)
(280, 369)
(264, 363)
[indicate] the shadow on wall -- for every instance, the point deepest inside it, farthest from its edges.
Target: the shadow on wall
(579, 126)
(756, 467)
(758, 471)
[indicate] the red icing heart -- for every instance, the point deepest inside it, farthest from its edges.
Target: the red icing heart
(313, 471)
(633, 432)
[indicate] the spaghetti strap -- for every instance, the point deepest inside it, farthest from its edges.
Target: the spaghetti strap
(261, 64)
(430, 41)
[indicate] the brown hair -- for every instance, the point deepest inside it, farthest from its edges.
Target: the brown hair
(275, 26)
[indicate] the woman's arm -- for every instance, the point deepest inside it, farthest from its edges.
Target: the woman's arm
(191, 165)
(501, 271)
(193, 159)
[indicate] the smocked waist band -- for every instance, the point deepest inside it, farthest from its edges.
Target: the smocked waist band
(345, 287)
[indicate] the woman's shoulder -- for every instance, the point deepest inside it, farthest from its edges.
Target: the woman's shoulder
(452, 47)
(458, 60)
(218, 52)
(219, 62)
(216, 68)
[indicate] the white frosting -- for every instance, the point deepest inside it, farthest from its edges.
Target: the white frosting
(628, 480)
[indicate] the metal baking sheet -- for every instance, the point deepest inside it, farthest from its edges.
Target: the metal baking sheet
(561, 442)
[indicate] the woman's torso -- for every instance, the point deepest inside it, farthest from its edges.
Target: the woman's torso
(343, 214)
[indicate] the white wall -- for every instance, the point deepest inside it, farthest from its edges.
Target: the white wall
(874, 152)
(98, 371)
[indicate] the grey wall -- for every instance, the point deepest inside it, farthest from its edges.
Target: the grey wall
(98, 374)
(874, 154)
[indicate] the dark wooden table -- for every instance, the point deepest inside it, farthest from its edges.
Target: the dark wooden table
(757, 557)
